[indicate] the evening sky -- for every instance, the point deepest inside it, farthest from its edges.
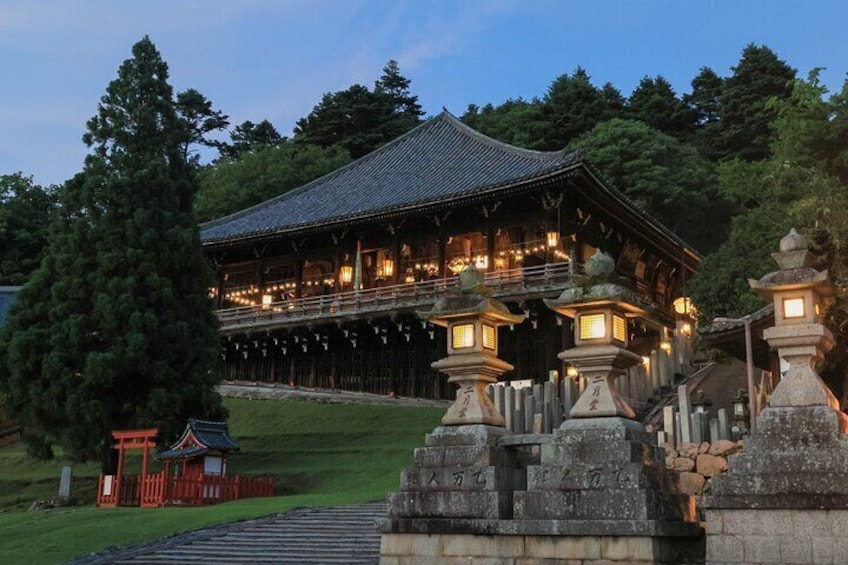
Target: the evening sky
(258, 59)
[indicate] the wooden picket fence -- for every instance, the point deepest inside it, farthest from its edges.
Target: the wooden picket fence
(158, 489)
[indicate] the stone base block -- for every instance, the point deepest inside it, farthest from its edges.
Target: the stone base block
(618, 504)
(470, 549)
(450, 504)
(776, 536)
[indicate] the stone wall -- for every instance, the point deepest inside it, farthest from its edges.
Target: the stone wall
(465, 549)
(777, 536)
(695, 464)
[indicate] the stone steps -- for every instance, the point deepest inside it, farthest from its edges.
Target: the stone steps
(336, 535)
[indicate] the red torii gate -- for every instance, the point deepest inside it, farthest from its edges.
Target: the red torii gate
(111, 492)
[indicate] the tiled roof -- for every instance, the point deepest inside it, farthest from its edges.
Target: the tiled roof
(766, 313)
(7, 297)
(211, 435)
(439, 160)
(184, 453)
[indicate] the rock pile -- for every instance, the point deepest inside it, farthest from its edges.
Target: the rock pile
(695, 464)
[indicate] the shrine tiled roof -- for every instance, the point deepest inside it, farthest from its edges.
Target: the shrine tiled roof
(436, 162)
(210, 435)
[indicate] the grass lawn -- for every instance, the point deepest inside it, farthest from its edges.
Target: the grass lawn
(320, 454)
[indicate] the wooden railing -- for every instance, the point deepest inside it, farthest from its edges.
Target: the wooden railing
(503, 283)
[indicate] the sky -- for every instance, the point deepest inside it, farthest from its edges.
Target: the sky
(273, 59)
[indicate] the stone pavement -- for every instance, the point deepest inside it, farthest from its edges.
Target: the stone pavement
(339, 534)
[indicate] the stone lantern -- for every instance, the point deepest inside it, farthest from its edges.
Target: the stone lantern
(792, 469)
(801, 294)
(601, 309)
(472, 319)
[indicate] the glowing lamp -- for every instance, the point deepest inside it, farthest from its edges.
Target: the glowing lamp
(553, 239)
(607, 326)
(462, 336)
(666, 346)
(388, 267)
(793, 308)
(267, 299)
(572, 372)
(490, 337)
(346, 274)
(683, 306)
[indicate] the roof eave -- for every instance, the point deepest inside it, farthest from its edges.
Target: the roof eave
(518, 185)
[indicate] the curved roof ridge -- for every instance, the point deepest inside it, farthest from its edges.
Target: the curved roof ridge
(502, 145)
(332, 174)
(443, 117)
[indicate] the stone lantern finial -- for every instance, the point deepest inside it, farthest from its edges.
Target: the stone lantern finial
(600, 266)
(794, 252)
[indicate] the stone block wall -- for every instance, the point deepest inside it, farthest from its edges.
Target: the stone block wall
(777, 536)
(469, 549)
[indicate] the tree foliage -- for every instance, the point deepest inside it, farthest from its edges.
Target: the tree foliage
(248, 136)
(655, 103)
(571, 107)
(199, 119)
(802, 185)
(359, 119)
(745, 127)
(25, 213)
(515, 121)
(663, 176)
(259, 175)
(115, 329)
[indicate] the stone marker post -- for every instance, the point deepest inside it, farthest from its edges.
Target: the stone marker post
(782, 499)
(65, 483)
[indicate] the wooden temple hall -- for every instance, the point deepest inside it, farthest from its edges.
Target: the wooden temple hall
(319, 287)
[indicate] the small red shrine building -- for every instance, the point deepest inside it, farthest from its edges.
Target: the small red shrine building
(194, 473)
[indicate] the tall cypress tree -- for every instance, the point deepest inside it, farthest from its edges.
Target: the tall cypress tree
(116, 329)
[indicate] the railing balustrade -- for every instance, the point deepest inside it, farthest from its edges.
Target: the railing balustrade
(502, 282)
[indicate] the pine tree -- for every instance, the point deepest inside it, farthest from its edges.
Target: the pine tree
(655, 103)
(572, 106)
(745, 127)
(360, 120)
(248, 136)
(116, 329)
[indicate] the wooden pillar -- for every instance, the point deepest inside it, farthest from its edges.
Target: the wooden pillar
(298, 275)
(490, 243)
(119, 473)
(396, 275)
(443, 244)
(333, 361)
(260, 278)
(219, 302)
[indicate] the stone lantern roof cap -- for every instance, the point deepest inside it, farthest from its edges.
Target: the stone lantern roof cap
(796, 270)
(471, 300)
(598, 287)
(587, 296)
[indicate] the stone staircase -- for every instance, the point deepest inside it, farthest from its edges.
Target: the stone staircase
(340, 534)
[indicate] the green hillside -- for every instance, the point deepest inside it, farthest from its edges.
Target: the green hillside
(319, 454)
